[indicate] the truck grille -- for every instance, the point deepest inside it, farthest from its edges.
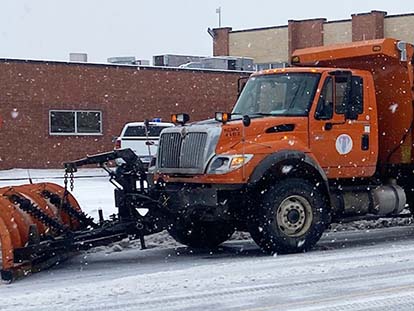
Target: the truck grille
(176, 151)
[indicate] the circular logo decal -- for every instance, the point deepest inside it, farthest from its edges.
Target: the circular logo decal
(344, 144)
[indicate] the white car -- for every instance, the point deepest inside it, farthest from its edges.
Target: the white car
(142, 139)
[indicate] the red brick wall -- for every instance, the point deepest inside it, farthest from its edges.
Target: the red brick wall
(305, 34)
(368, 26)
(221, 41)
(123, 94)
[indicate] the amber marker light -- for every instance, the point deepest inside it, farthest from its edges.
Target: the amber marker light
(376, 48)
(237, 161)
(222, 117)
(295, 59)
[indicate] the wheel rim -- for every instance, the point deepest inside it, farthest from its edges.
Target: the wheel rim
(294, 216)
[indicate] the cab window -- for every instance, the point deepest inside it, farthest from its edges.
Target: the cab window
(324, 110)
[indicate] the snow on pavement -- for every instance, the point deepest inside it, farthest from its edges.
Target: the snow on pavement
(349, 270)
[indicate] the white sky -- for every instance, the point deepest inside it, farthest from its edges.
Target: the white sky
(51, 29)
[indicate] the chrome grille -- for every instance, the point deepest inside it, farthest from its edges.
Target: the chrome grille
(192, 150)
(176, 151)
(169, 150)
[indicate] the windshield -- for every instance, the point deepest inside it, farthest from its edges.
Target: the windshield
(285, 94)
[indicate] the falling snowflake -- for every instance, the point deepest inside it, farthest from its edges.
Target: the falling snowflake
(286, 169)
(14, 114)
(393, 108)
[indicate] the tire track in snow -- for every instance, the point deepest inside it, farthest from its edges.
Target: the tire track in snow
(401, 301)
(167, 303)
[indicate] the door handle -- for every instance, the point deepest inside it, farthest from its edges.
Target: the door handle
(365, 142)
(329, 125)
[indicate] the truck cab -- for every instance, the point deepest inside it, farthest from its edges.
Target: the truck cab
(302, 147)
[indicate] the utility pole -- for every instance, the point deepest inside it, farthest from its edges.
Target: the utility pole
(218, 11)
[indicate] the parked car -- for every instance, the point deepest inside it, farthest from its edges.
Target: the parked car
(142, 138)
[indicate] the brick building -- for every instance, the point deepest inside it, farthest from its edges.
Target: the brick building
(55, 111)
(276, 44)
(51, 112)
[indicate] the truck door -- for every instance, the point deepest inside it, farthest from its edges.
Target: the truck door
(340, 128)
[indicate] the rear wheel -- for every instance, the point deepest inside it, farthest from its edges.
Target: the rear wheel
(201, 234)
(291, 217)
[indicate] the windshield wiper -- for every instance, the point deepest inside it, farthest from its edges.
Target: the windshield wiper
(252, 114)
(262, 114)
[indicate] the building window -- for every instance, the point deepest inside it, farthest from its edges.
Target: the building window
(75, 122)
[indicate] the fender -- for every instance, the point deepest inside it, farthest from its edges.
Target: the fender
(272, 160)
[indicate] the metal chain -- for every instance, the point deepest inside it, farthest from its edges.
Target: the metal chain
(66, 192)
(72, 181)
(65, 181)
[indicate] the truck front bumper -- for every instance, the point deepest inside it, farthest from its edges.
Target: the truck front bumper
(203, 202)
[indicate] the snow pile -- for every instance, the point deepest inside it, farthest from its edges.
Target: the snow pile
(371, 224)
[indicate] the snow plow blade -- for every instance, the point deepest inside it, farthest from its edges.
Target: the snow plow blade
(31, 214)
(42, 224)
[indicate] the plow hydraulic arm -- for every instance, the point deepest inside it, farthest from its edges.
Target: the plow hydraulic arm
(42, 224)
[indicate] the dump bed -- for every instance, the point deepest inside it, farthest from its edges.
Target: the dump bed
(391, 64)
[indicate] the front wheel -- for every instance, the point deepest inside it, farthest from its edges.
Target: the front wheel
(291, 217)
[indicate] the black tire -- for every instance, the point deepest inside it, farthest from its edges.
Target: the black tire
(290, 217)
(201, 234)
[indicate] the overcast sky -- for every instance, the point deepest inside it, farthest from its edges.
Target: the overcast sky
(51, 29)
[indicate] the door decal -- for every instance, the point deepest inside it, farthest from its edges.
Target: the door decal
(344, 144)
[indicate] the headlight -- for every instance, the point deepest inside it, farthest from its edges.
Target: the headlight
(222, 164)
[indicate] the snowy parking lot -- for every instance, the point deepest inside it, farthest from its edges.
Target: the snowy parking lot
(370, 269)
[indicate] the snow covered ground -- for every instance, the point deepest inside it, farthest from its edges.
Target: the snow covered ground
(370, 269)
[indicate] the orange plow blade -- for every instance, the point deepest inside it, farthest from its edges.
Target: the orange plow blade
(30, 214)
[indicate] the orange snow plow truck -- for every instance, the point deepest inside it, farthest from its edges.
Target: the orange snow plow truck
(329, 139)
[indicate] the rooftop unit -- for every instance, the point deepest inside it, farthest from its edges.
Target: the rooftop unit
(222, 63)
(128, 60)
(171, 60)
(78, 57)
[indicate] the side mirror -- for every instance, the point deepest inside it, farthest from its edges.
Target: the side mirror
(355, 104)
(246, 120)
(350, 102)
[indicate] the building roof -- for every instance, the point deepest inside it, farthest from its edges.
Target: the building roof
(326, 22)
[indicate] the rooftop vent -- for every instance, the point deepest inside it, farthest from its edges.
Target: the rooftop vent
(78, 57)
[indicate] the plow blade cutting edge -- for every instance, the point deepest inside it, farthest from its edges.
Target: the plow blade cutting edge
(31, 214)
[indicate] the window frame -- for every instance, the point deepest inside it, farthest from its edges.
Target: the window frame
(75, 133)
